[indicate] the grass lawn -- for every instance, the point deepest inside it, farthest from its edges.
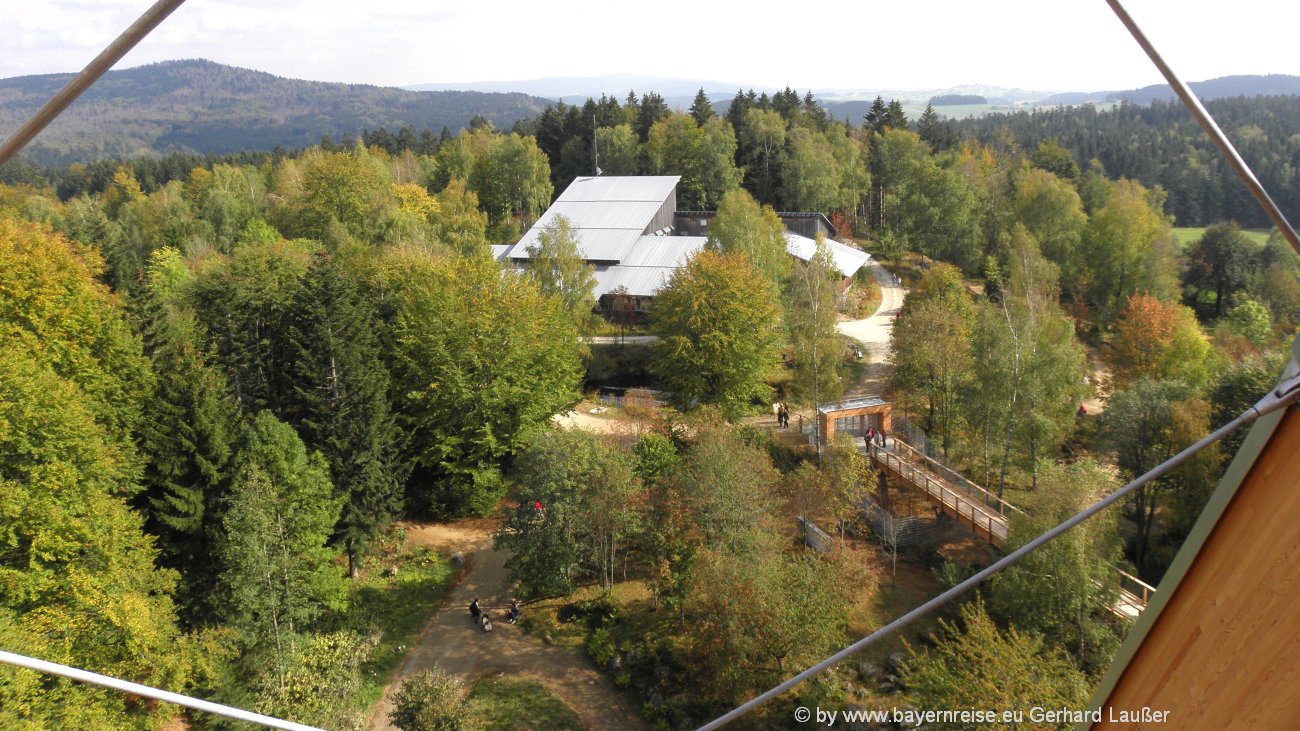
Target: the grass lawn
(1186, 236)
(397, 607)
(520, 703)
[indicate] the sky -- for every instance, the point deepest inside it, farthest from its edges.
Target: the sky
(1042, 45)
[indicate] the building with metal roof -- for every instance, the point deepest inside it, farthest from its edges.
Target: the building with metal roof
(628, 229)
(846, 259)
(609, 214)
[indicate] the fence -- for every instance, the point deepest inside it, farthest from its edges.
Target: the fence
(905, 531)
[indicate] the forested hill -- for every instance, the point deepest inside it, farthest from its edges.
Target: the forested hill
(205, 107)
(1220, 88)
(1160, 144)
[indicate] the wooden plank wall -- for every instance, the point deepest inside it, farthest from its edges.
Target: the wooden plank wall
(1225, 652)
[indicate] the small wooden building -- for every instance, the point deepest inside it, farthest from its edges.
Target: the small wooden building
(853, 416)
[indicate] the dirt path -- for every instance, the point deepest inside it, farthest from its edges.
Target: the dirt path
(456, 646)
(577, 419)
(1096, 403)
(873, 332)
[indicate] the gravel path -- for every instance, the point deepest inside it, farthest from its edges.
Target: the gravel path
(455, 645)
(873, 332)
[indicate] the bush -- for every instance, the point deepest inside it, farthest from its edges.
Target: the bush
(597, 613)
(320, 680)
(434, 701)
(601, 646)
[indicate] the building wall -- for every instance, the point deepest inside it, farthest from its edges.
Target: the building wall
(692, 223)
(664, 216)
(807, 226)
(1221, 653)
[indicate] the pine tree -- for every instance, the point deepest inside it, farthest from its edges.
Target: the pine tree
(702, 108)
(895, 117)
(340, 402)
(740, 104)
(652, 109)
(934, 132)
(877, 116)
(188, 440)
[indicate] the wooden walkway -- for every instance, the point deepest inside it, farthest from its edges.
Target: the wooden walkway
(977, 508)
(980, 510)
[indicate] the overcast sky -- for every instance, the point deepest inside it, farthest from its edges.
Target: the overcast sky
(1046, 45)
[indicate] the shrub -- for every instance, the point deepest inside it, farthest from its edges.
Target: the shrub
(434, 701)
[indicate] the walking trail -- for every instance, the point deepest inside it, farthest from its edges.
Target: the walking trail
(873, 332)
(456, 646)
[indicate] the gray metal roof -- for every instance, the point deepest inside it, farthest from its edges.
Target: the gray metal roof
(663, 251)
(644, 188)
(609, 214)
(595, 244)
(847, 259)
(649, 265)
(861, 402)
(499, 250)
(637, 281)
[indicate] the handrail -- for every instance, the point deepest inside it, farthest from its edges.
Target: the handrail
(1146, 589)
(990, 499)
(927, 482)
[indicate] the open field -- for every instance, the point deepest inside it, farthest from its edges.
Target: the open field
(1188, 235)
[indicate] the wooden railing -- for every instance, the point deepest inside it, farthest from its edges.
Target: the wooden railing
(1135, 587)
(963, 498)
(956, 478)
(956, 499)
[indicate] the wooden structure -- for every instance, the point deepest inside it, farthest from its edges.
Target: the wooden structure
(984, 513)
(853, 415)
(973, 506)
(1218, 647)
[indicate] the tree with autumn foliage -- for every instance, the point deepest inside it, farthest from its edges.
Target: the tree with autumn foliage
(1159, 340)
(78, 577)
(955, 672)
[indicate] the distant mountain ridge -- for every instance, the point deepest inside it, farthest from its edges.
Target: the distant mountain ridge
(204, 107)
(197, 106)
(1217, 88)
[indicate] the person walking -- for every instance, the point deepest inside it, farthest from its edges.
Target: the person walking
(474, 611)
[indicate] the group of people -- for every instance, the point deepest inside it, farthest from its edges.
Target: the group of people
(875, 435)
(481, 618)
(782, 414)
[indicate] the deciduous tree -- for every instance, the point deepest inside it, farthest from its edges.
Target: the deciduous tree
(742, 226)
(717, 333)
(277, 573)
(954, 673)
(480, 356)
(556, 263)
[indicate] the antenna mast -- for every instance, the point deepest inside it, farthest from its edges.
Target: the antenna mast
(595, 145)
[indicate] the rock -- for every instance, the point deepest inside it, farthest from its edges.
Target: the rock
(457, 560)
(895, 663)
(867, 671)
